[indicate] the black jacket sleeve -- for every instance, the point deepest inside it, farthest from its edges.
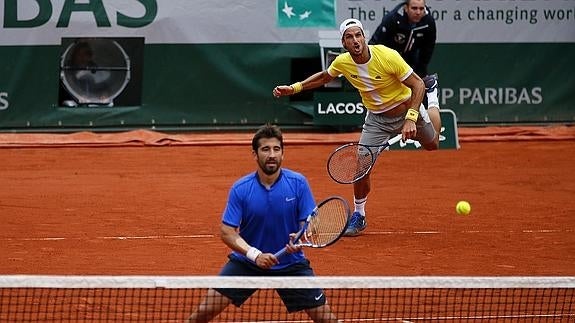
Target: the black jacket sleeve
(426, 48)
(380, 33)
(383, 35)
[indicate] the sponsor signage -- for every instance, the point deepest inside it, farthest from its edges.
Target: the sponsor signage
(41, 22)
(345, 109)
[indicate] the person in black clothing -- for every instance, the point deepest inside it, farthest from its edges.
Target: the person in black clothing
(410, 29)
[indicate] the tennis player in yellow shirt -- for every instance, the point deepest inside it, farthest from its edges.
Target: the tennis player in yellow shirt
(390, 90)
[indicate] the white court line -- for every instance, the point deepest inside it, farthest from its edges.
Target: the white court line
(447, 318)
(154, 237)
(203, 236)
(467, 232)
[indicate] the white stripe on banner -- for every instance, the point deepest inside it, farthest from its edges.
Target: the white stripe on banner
(29, 22)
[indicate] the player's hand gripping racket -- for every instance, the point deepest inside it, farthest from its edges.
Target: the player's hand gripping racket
(351, 162)
(324, 226)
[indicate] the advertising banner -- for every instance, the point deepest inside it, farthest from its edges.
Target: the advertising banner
(210, 64)
(44, 22)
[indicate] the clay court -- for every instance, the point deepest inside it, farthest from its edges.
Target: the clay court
(150, 204)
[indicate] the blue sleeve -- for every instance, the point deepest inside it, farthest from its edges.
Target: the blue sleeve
(233, 212)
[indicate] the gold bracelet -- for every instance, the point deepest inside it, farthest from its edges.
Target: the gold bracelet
(297, 87)
(412, 115)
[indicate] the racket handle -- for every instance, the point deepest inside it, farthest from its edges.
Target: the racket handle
(281, 252)
(386, 145)
(394, 140)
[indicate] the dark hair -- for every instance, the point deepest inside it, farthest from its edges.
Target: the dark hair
(407, 2)
(267, 131)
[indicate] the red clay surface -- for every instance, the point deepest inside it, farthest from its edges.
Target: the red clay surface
(156, 210)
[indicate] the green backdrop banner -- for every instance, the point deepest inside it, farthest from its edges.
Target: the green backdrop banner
(191, 86)
(213, 64)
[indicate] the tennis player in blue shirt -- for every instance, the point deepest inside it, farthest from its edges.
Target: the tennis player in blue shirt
(264, 211)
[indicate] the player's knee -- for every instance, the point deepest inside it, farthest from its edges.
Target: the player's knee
(431, 146)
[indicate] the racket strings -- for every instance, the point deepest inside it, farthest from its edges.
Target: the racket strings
(328, 224)
(350, 163)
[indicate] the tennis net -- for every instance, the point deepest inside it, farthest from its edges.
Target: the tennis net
(32, 298)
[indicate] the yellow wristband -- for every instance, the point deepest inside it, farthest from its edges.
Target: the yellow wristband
(412, 115)
(297, 87)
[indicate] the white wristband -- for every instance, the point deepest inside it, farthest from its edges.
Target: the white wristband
(253, 253)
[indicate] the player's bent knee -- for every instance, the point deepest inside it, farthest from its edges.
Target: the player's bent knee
(431, 146)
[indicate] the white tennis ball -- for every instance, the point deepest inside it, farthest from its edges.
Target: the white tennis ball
(463, 208)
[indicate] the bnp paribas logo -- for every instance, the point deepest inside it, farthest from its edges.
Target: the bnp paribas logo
(306, 13)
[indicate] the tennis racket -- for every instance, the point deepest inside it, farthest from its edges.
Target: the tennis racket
(351, 162)
(324, 226)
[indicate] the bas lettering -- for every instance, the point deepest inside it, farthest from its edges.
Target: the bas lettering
(44, 10)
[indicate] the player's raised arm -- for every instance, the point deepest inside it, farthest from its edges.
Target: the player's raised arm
(316, 80)
(415, 83)
(417, 87)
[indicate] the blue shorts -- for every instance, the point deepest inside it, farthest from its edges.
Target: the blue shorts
(294, 299)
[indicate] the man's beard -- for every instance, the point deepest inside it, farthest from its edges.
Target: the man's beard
(270, 169)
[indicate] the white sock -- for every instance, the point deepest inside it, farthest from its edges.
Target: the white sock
(432, 99)
(360, 205)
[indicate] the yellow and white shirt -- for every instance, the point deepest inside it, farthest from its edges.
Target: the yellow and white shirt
(379, 80)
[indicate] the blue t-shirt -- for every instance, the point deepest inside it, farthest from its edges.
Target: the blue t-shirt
(265, 218)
